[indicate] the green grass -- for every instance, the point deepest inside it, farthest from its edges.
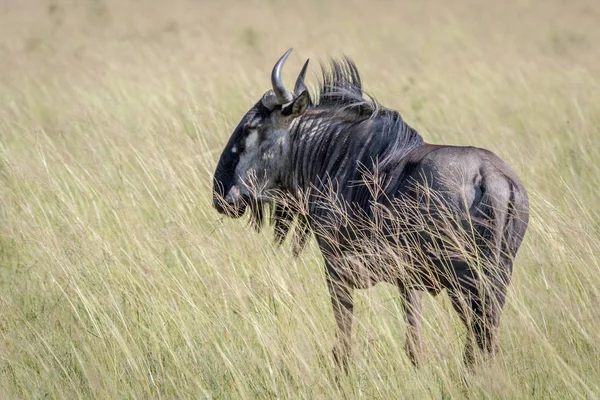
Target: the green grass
(118, 280)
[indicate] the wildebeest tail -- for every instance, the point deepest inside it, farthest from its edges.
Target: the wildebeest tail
(500, 236)
(516, 221)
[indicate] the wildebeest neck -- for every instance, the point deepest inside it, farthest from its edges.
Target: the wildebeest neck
(330, 145)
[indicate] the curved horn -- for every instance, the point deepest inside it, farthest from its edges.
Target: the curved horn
(283, 96)
(300, 87)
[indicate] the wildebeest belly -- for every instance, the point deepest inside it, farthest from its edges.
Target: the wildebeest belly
(365, 259)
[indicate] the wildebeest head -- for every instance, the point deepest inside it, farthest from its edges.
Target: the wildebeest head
(253, 158)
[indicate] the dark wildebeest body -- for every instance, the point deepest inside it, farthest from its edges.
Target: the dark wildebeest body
(384, 205)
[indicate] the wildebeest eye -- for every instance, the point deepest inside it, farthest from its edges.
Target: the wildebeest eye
(250, 126)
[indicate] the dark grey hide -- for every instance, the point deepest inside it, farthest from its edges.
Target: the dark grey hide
(382, 204)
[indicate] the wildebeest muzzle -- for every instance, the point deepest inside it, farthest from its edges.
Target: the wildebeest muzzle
(233, 204)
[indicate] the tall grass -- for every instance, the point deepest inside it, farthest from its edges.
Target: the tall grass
(117, 279)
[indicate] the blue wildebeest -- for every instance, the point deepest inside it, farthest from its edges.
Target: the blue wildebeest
(382, 204)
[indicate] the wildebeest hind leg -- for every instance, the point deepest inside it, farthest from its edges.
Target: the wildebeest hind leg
(494, 288)
(342, 302)
(479, 306)
(411, 304)
(461, 301)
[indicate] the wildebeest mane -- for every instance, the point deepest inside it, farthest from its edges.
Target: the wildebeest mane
(340, 98)
(340, 84)
(341, 94)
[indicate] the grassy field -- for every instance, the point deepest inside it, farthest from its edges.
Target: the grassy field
(118, 280)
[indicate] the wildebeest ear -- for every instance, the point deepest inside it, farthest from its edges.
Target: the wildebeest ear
(297, 106)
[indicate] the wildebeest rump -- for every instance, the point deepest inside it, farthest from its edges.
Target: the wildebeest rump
(382, 204)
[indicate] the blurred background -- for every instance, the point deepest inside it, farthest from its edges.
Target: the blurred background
(117, 279)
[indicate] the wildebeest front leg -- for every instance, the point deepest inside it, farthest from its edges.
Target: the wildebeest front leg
(411, 304)
(342, 302)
